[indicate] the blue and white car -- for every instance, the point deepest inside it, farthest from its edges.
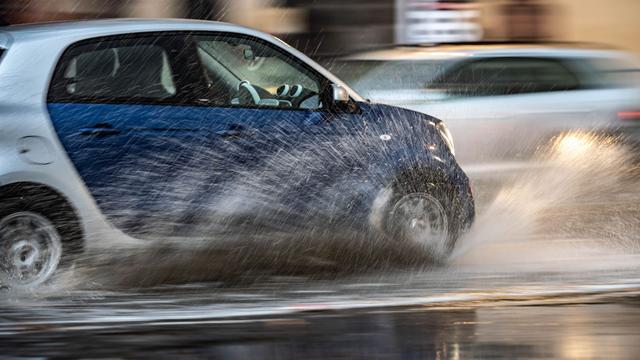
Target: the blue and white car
(130, 131)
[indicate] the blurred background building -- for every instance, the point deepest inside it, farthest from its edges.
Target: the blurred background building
(337, 27)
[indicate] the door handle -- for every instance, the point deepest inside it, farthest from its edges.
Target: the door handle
(100, 130)
(234, 131)
(228, 133)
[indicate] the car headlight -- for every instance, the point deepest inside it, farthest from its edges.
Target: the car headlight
(446, 136)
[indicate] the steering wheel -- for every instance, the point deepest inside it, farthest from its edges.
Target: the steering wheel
(296, 94)
(250, 94)
(247, 93)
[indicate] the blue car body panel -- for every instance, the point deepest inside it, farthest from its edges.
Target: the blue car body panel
(176, 165)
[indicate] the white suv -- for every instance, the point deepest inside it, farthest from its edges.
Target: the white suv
(503, 101)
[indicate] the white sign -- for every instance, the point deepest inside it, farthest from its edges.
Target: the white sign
(432, 21)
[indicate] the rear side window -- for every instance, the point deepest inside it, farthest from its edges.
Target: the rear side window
(116, 70)
(508, 76)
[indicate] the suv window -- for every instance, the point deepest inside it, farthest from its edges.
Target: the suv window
(606, 72)
(249, 72)
(116, 70)
(508, 76)
(372, 75)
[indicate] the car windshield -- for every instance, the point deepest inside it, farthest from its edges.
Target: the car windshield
(374, 75)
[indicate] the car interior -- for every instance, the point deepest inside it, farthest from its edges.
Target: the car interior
(235, 75)
(255, 76)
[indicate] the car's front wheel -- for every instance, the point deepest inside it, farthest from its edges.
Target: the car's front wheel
(421, 219)
(422, 214)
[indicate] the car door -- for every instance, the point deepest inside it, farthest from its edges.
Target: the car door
(262, 105)
(176, 133)
(122, 109)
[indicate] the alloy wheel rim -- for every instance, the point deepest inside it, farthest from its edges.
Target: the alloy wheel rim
(30, 248)
(422, 219)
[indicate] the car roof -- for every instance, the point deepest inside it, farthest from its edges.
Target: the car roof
(462, 51)
(95, 28)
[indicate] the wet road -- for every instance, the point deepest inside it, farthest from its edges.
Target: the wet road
(551, 269)
(462, 311)
(562, 327)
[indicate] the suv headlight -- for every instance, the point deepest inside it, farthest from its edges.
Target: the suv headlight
(446, 136)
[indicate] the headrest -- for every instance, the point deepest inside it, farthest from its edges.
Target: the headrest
(140, 59)
(99, 63)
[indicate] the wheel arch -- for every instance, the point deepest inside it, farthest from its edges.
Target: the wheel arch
(414, 172)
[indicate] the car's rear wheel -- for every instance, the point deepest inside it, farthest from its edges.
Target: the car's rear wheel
(31, 248)
(39, 234)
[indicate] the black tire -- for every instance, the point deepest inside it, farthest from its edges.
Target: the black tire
(32, 204)
(432, 188)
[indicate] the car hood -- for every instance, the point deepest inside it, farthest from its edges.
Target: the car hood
(398, 118)
(410, 131)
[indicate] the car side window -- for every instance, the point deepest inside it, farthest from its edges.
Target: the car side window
(247, 72)
(116, 70)
(508, 76)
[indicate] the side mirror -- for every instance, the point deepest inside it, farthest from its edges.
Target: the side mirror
(340, 94)
(342, 101)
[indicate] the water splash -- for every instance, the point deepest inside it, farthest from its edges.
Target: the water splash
(563, 215)
(566, 214)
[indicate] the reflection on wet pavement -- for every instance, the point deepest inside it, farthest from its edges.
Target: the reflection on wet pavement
(573, 331)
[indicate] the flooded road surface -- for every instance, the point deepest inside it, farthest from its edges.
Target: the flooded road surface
(553, 318)
(573, 305)
(550, 269)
